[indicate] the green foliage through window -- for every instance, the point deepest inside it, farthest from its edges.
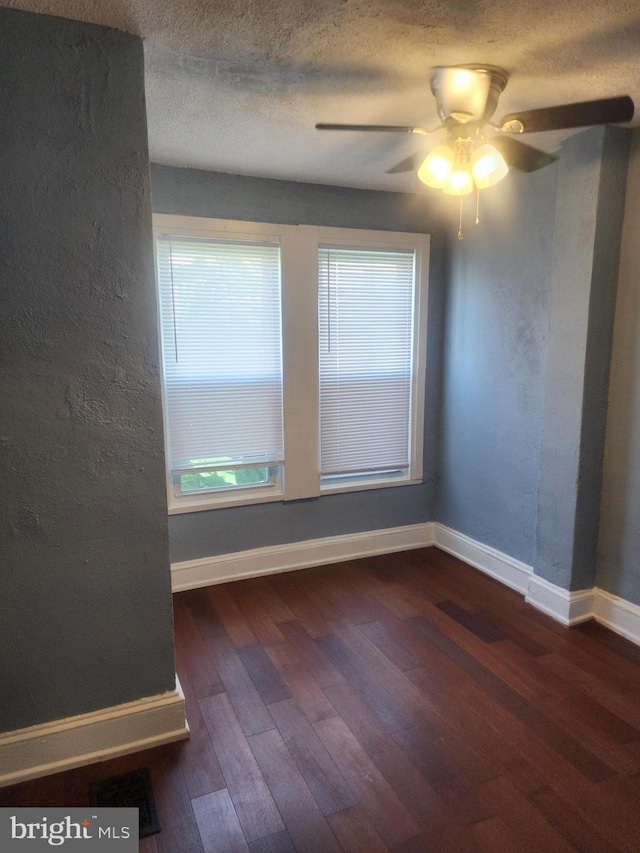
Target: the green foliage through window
(210, 480)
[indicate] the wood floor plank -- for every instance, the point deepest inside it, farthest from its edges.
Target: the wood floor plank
(514, 634)
(364, 682)
(394, 599)
(251, 797)
(618, 644)
(484, 753)
(274, 604)
(404, 702)
(517, 705)
(613, 700)
(199, 606)
(523, 818)
(446, 633)
(308, 694)
(247, 702)
(200, 767)
(419, 844)
(235, 624)
(308, 608)
(310, 656)
(193, 659)
(444, 837)
(410, 786)
(446, 779)
(179, 831)
(598, 739)
(596, 658)
(218, 824)
(589, 800)
(625, 792)
(389, 646)
(385, 672)
(259, 620)
(280, 842)
(266, 678)
(584, 706)
(302, 817)
(473, 622)
(321, 774)
(389, 816)
(581, 835)
(355, 832)
(334, 586)
(416, 705)
(442, 841)
(494, 836)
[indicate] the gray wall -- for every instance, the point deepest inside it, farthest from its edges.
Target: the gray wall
(85, 607)
(619, 542)
(589, 216)
(194, 193)
(494, 361)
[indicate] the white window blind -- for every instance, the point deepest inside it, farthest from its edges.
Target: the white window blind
(366, 305)
(221, 344)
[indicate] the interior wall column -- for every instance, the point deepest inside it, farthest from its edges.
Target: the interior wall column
(589, 213)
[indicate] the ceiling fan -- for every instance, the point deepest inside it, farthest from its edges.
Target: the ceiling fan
(466, 99)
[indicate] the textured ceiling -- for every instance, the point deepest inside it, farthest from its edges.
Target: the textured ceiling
(237, 85)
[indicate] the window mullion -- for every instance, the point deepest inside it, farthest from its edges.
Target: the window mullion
(300, 363)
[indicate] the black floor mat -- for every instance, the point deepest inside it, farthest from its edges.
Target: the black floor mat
(131, 790)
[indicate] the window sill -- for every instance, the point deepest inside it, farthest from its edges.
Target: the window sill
(201, 503)
(369, 485)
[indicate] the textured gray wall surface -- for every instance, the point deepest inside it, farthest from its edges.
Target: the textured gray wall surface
(85, 605)
(589, 215)
(619, 542)
(188, 192)
(222, 531)
(494, 358)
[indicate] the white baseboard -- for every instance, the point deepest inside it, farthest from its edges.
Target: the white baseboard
(500, 566)
(569, 608)
(620, 615)
(75, 741)
(299, 555)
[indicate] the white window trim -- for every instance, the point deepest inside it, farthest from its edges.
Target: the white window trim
(299, 245)
(420, 243)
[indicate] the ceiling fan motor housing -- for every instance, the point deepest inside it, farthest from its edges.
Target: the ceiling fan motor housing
(467, 93)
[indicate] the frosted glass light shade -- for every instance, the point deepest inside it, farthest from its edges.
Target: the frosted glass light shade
(459, 182)
(437, 167)
(488, 166)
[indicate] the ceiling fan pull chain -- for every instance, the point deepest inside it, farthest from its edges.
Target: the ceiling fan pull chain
(477, 205)
(460, 234)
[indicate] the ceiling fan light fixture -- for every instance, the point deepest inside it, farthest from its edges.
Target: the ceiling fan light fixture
(488, 166)
(460, 181)
(437, 167)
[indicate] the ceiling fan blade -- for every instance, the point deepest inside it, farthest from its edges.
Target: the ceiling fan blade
(584, 114)
(409, 164)
(518, 155)
(377, 128)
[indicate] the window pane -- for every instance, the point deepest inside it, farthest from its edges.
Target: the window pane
(366, 300)
(208, 481)
(221, 342)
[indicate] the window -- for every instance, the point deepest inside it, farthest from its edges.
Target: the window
(293, 359)
(365, 310)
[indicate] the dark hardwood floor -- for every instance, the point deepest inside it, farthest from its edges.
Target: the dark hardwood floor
(405, 703)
